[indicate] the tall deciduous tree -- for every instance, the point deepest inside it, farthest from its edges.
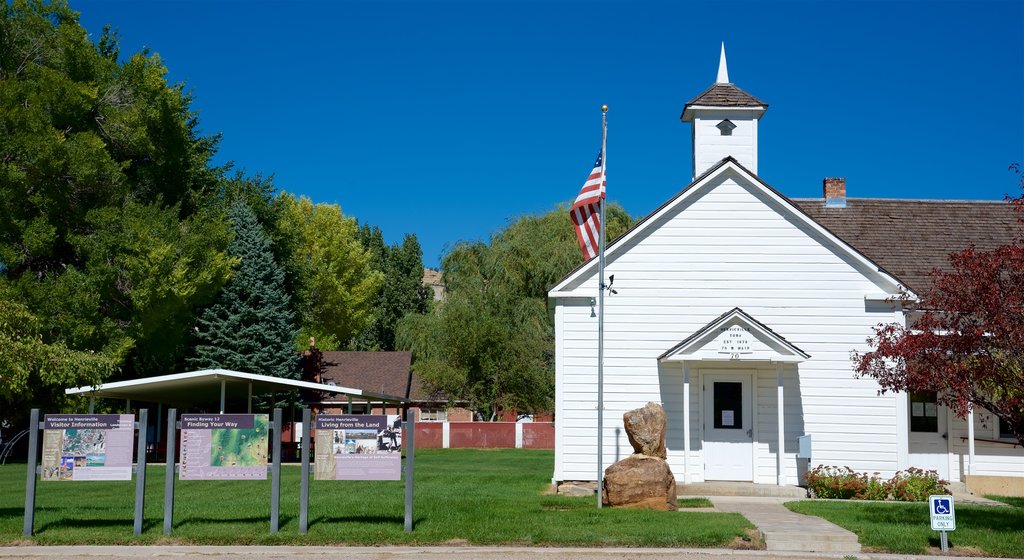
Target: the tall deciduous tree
(402, 291)
(106, 238)
(334, 281)
(491, 342)
(250, 326)
(968, 344)
(34, 373)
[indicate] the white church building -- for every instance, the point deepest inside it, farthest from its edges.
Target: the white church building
(737, 310)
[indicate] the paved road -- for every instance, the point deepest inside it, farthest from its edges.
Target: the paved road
(409, 553)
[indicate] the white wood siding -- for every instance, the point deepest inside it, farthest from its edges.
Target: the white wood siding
(710, 147)
(995, 459)
(730, 246)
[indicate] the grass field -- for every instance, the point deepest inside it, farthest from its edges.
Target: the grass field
(462, 496)
(905, 527)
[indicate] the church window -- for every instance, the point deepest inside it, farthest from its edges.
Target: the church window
(726, 127)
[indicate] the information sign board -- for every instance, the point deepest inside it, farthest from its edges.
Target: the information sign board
(87, 446)
(941, 510)
(358, 447)
(224, 446)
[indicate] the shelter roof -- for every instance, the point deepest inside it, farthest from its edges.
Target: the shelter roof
(205, 386)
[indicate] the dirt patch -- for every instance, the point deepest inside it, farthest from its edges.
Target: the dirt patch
(969, 551)
(170, 541)
(456, 542)
(753, 541)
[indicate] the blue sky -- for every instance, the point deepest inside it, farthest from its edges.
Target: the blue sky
(449, 119)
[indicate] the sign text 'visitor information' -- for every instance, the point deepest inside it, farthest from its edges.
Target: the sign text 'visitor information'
(224, 446)
(87, 446)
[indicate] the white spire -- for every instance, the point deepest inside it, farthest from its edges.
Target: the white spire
(723, 69)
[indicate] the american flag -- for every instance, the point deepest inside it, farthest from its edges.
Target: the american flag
(586, 211)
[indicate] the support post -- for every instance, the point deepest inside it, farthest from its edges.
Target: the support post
(172, 455)
(30, 481)
(970, 442)
(275, 475)
(409, 442)
(140, 475)
(349, 404)
(686, 423)
(92, 404)
(780, 478)
(304, 486)
(223, 392)
(248, 408)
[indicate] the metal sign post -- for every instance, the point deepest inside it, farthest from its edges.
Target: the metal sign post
(304, 485)
(140, 475)
(172, 454)
(943, 518)
(275, 475)
(410, 458)
(30, 482)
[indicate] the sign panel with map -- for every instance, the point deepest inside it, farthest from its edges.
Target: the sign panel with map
(224, 446)
(88, 446)
(358, 447)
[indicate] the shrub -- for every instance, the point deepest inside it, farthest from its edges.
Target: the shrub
(915, 485)
(835, 482)
(874, 488)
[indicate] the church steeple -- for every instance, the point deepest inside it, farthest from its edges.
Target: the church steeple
(724, 121)
(723, 68)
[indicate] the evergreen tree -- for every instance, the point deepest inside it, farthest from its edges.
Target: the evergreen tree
(250, 326)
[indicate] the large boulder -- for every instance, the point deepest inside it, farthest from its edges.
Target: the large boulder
(640, 481)
(645, 428)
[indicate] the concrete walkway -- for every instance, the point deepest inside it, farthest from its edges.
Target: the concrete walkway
(784, 530)
(411, 553)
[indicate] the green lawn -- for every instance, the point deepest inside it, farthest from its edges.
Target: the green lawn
(462, 496)
(905, 527)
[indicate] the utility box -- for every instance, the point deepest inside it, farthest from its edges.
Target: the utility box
(803, 447)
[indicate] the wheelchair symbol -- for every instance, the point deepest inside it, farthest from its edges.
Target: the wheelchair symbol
(942, 507)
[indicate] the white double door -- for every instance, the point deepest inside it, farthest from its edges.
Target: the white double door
(728, 426)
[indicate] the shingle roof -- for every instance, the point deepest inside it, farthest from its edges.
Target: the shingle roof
(910, 238)
(726, 95)
(380, 372)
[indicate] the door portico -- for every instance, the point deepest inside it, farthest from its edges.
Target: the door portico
(727, 358)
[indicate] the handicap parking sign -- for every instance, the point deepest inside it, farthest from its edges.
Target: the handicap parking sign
(941, 513)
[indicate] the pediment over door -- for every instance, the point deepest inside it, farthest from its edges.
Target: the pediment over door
(735, 336)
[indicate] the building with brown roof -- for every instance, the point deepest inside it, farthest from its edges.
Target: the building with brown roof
(738, 309)
(386, 373)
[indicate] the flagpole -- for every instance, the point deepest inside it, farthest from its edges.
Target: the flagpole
(600, 312)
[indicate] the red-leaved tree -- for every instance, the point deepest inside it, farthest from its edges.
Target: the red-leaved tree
(968, 344)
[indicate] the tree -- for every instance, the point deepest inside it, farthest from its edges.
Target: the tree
(401, 292)
(335, 283)
(491, 342)
(108, 240)
(34, 373)
(968, 344)
(250, 325)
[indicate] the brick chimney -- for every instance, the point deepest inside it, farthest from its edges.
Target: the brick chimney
(834, 192)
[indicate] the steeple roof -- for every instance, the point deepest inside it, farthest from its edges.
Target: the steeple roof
(722, 95)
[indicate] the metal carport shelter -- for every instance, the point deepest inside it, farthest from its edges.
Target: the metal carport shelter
(191, 387)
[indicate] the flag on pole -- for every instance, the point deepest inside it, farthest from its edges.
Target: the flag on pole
(586, 211)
